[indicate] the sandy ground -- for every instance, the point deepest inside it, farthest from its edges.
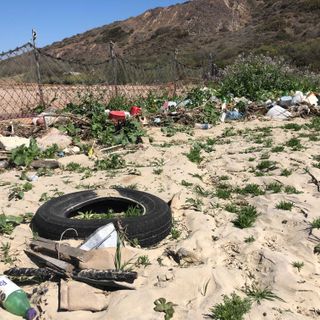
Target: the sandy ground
(229, 263)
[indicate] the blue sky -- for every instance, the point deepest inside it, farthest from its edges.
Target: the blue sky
(58, 19)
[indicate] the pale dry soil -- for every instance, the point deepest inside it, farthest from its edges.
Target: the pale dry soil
(229, 263)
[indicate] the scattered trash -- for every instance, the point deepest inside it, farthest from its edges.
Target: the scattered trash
(104, 237)
(15, 300)
(285, 101)
(10, 143)
(49, 164)
(54, 136)
(71, 150)
(135, 111)
(311, 99)
(156, 120)
(298, 98)
(4, 164)
(75, 296)
(231, 115)
(279, 113)
(203, 126)
(32, 178)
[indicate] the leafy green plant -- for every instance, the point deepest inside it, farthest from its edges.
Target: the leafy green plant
(6, 257)
(257, 294)
(275, 187)
(277, 149)
(161, 305)
(294, 144)
(143, 261)
(175, 233)
(292, 126)
(8, 223)
(266, 165)
(201, 191)
(194, 154)
(286, 172)
(17, 191)
(223, 193)
(291, 190)
(298, 264)
(249, 239)
(285, 205)
(232, 308)
(315, 224)
(195, 204)
(251, 188)
(75, 167)
(186, 183)
(231, 207)
(246, 217)
(114, 161)
(23, 155)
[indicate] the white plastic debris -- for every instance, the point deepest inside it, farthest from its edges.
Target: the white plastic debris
(278, 113)
(104, 237)
(311, 99)
(298, 97)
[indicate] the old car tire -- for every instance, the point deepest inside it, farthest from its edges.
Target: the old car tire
(53, 217)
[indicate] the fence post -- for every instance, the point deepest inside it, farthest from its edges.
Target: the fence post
(175, 71)
(36, 57)
(114, 66)
(213, 68)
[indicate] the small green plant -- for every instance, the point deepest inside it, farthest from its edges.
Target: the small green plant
(231, 207)
(223, 193)
(249, 239)
(175, 233)
(186, 183)
(194, 154)
(75, 167)
(120, 265)
(252, 188)
(315, 224)
(294, 144)
(232, 308)
(23, 155)
(266, 165)
(157, 171)
(6, 257)
(298, 264)
(285, 205)
(291, 190)
(114, 161)
(246, 217)
(143, 261)
(224, 178)
(286, 172)
(201, 191)
(277, 149)
(292, 126)
(275, 187)
(257, 294)
(18, 191)
(8, 223)
(161, 305)
(195, 204)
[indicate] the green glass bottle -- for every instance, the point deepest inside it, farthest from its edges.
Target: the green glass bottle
(15, 300)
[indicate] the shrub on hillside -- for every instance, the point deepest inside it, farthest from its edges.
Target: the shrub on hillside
(257, 76)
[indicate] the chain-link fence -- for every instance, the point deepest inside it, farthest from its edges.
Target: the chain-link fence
(30, 77)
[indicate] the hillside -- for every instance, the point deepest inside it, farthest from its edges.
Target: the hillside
(199, 27)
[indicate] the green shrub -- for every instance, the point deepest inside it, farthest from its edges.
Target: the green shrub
(232, 308)
(257, 76)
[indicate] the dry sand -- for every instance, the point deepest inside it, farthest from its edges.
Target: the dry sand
(229, 263)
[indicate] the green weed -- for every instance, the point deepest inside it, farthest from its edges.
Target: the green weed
(258, 294)
(246, 217)
(232, 308)
(298, 264)
(285, 205)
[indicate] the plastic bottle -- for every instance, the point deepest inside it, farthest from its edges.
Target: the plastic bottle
(15, 300)
(203, 126)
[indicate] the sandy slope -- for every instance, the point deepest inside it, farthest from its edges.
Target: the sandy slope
(228, 262)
